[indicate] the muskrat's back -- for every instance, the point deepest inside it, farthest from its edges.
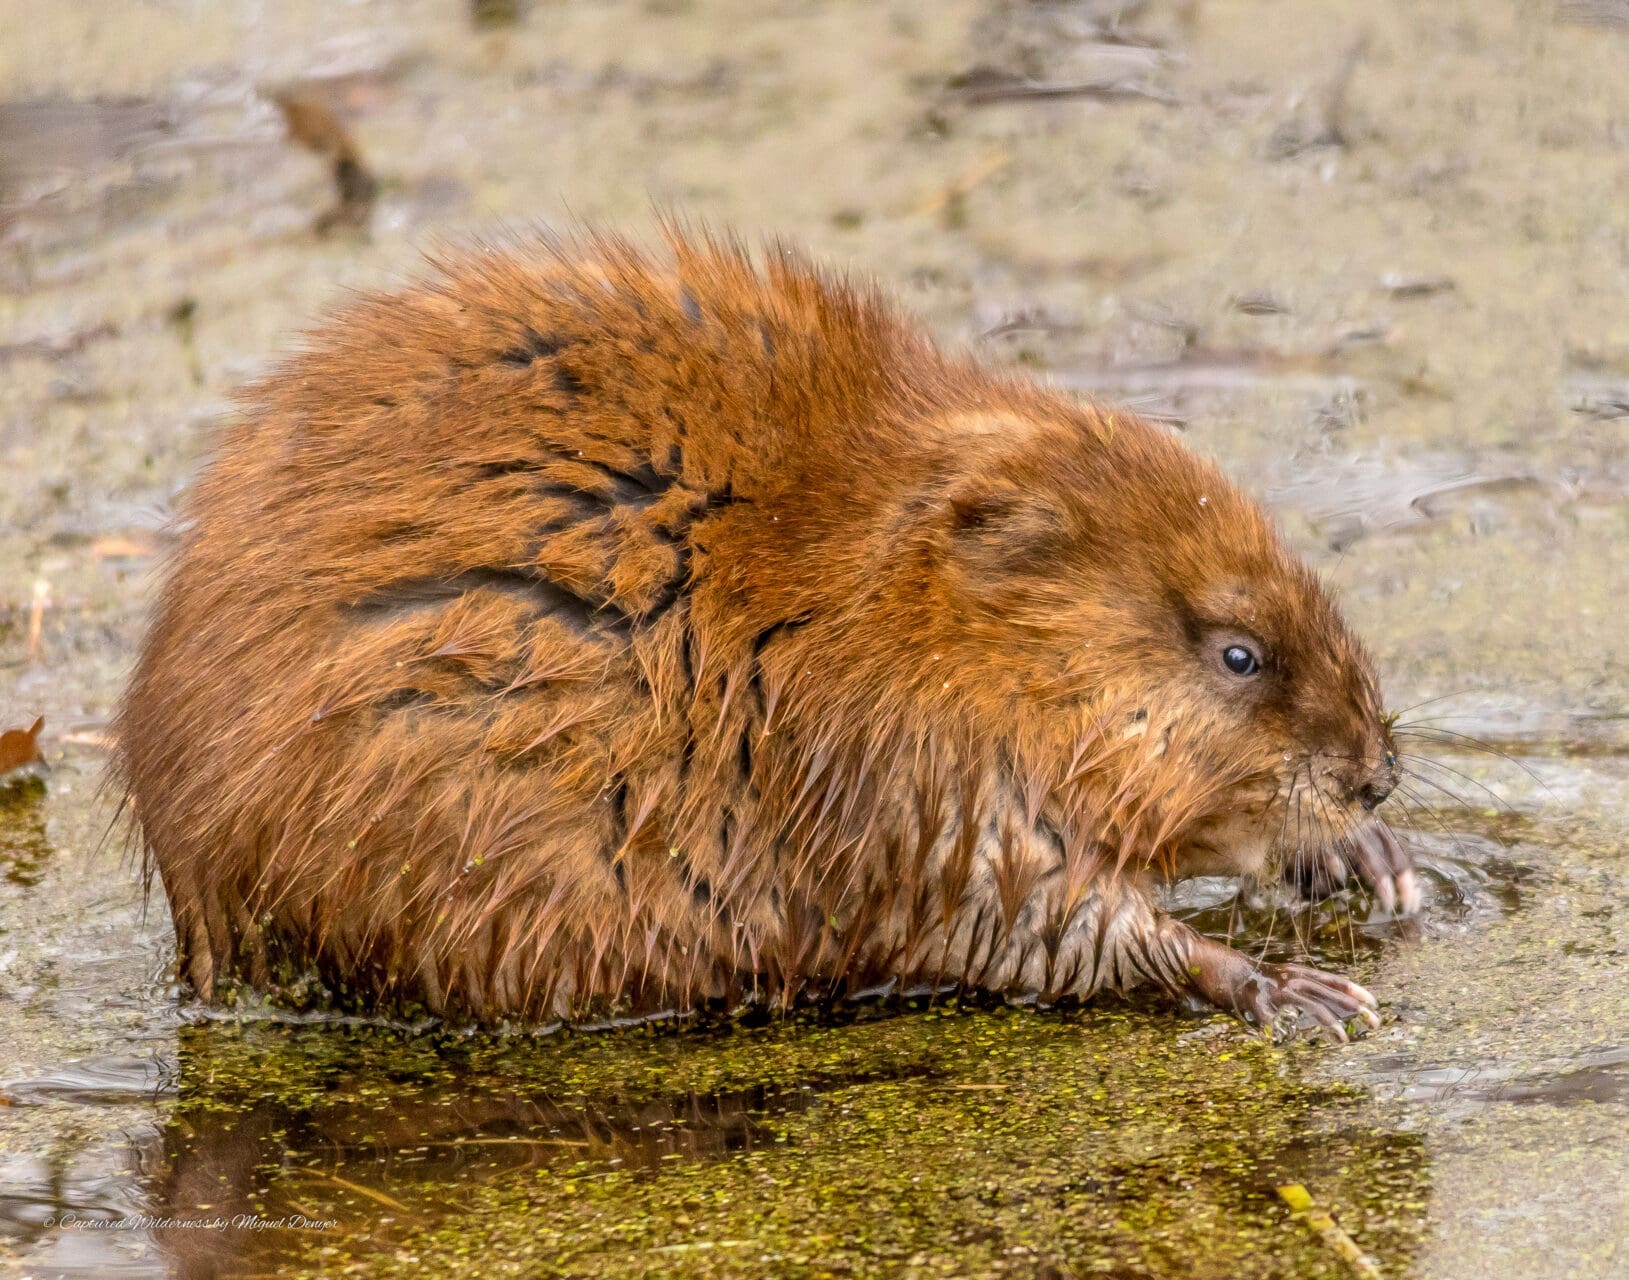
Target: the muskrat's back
(575, 634)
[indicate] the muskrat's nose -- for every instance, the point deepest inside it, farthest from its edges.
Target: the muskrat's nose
(1376, 789)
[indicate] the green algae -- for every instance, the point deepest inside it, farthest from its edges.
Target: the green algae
(948, 1142)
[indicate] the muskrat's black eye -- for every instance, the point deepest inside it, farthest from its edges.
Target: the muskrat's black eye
(1240, 661)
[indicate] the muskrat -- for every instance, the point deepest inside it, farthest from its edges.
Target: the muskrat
(585, 632)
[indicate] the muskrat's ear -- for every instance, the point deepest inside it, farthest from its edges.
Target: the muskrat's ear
(978, 508)
(992, 525)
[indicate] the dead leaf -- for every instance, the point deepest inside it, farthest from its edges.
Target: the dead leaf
(313, 122)
(19, 747)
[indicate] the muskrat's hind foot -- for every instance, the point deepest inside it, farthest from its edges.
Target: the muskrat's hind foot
(1265, 993)
(1328, 999)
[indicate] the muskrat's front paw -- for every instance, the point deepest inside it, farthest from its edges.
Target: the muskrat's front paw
(1276, 992)
(1385, 866)
(1378, 858)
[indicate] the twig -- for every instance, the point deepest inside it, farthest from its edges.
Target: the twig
(1302, 1206)
(36, 617)
(388, 1201)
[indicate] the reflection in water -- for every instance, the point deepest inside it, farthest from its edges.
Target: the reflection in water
(984, 1136)
(376, 1141)
(69, 1181)
(281, 1144)
(382, 1148)
(1101, 1135)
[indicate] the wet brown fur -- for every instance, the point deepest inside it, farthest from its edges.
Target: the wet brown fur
(585, 632)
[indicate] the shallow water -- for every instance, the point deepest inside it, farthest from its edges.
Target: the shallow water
(1375, 263)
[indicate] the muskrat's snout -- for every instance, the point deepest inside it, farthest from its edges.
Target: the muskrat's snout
(1369, 848)
(1360, 747)
(1372, 794)
(1369, 787)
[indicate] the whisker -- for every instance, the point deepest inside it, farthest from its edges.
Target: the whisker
(1408, 793)
(1283, 829)
(1303, 940)
(1493, 795)
(1424, 780)
(1343, 918)
(1317, 842)
(1415, 810)
(1291, 802)
(1437, 734)
(1441, 697)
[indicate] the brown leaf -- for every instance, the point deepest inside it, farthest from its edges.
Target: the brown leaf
(314, 123)
(19, 747)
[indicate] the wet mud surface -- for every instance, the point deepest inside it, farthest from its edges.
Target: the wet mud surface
(1375, 261)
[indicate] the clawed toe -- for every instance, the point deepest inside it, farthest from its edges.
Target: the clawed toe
(1275, 994)
(1408, 891)
(1386, 867)
(1331, 1002)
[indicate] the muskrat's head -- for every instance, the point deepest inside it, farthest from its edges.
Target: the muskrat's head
(1185, 685)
